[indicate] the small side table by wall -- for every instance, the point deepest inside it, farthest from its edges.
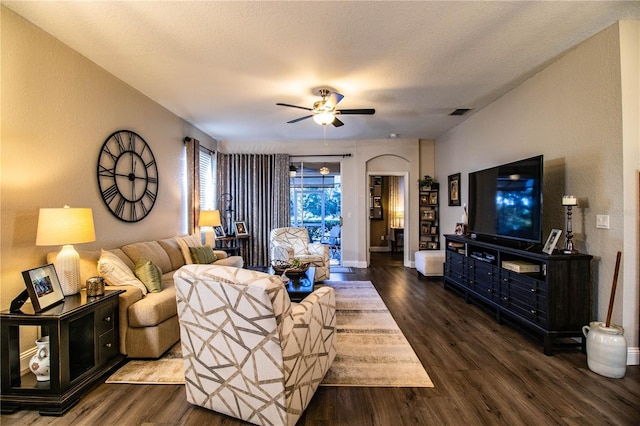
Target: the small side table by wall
(84, 344)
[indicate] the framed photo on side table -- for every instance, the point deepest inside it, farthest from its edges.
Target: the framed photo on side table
(454, 189)
(554, 236)
(43, 287)
(241, 228)
(219, 231)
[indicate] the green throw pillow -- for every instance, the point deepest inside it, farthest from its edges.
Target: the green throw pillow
(202, 254)
(150, 274)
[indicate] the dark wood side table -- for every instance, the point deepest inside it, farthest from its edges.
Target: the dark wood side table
(84, 345)
(233, 245)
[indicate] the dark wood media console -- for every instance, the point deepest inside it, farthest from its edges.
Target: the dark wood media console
(554, 301)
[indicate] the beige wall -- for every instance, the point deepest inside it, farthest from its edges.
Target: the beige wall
(571, 113)
(57, 110)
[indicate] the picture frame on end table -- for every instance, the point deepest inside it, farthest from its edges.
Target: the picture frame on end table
(219, 231)
(454, 189)
(552, 240)
(43, 287)
(241, 228)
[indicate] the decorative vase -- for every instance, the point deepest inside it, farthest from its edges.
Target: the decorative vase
(39, 363)
(606, 349)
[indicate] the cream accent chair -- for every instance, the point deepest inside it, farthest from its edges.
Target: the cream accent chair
(248, 352)
(287, 243)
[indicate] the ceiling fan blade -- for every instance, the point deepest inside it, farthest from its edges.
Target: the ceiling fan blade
(364, 111)
(334, 98)
(300, 119)
(294, 106)
(337, 123)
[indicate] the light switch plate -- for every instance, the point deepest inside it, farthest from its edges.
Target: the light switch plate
(602, 221)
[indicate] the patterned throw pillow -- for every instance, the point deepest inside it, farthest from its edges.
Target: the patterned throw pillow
(116, 272)
(150, 275)
(202, 255)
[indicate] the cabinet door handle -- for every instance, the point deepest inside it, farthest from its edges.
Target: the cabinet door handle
(533, 311)
(505, 298)
(533, 290)
(108, 345)
(107, 319)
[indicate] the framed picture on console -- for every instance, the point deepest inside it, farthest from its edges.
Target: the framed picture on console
(241, 228)
(43, 287)
(554, 236)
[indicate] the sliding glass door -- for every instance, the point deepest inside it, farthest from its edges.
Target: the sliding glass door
(315, 203)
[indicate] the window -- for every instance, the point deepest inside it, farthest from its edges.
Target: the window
(207, 179)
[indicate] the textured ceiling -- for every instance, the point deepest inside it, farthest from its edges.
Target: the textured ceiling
(223, 65)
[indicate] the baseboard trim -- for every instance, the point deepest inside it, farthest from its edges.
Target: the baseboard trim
(633, 356)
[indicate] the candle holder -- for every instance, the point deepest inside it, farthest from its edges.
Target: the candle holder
(569, 201)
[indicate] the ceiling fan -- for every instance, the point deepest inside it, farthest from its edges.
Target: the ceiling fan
(324, 111)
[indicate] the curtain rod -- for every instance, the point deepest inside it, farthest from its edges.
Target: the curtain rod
(320, 155)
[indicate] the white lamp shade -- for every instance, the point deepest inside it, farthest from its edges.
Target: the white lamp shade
(209, 218)
(66, 225)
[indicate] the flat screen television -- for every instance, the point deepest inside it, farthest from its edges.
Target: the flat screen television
(506, 201)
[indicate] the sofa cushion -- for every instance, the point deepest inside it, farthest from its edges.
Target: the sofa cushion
(116, 272)
(170, 245)
(185, 242)
(150, 275)
(202, 255)
(155, 307)
(150, 250)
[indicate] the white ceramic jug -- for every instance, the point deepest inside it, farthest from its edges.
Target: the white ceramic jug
(39, 363)
(606, 349)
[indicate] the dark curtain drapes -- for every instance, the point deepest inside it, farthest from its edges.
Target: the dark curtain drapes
(259, 185)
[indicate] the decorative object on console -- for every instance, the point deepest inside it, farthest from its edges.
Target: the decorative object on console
(550, 245)
(66, 226)
(454, 189)
(209, 219)
(569, 201)
(43, 287)
(127, 176)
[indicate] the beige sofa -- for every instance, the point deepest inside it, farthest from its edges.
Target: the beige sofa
(148, 323)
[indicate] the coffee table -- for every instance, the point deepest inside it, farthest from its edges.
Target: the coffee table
(299, 289)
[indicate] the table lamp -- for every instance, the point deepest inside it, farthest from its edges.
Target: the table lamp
(209, 219)
(66, 226)
(569, 201)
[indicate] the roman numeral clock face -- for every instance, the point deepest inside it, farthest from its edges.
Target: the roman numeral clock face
(127, 176)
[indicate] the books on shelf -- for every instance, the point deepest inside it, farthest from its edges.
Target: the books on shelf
(520, 266)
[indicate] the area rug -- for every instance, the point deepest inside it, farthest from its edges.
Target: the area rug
(371, 349)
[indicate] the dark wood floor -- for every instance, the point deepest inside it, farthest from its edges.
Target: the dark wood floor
(484, 374)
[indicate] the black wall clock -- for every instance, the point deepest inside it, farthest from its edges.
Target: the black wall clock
(127, 176)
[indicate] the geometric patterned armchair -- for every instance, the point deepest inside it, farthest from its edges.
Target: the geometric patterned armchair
(287, 243)
(248, 352)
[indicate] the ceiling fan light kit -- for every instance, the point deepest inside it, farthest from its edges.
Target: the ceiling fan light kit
(324, 111)
(324, 118)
